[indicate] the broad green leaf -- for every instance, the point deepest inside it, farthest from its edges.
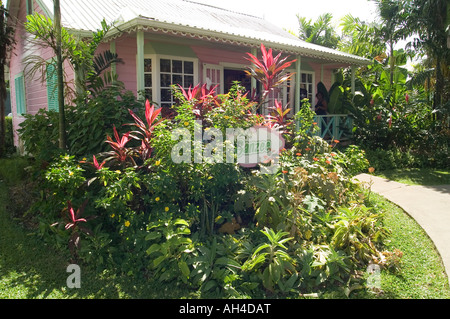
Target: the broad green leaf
(153, 248)
(153, 236)
(184, 268)
(225, 261)
(158, 260)
(181, 222)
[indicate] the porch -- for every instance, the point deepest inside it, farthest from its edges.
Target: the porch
(334, 127)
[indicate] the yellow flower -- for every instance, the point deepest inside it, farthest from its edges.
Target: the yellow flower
(157, 199)
(166, 209)
(308, 234)
(66, 157)
(113, 215)
(84, 158)
(157, 163)
(127, 224)
(70, 173)
(118, 172)
(186, 123)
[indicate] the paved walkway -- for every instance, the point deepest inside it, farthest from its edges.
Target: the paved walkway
(428, 205)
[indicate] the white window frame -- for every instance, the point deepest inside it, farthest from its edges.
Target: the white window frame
(156, 72)
(314, 84)
(218, 67)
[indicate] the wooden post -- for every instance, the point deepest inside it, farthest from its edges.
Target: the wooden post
(140, 64)
(353, 79)
(298, 73)
(253, 80)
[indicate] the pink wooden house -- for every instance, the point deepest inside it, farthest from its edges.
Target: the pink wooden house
(165, 42)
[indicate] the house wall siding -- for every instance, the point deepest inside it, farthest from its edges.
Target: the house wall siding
(126, 49)
(35, 89)
(217, 56)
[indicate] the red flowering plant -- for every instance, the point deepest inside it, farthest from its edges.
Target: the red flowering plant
(270, 71)
(75, 223)
(203, 99)
(145, 129)
(120, 152)
(279, 117)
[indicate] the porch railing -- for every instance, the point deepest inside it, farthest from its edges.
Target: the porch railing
(334, 126)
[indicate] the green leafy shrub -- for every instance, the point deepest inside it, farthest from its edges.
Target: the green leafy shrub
(39, 133)
(91, 120)
(9, 136)
(215, 227)
(273, 263)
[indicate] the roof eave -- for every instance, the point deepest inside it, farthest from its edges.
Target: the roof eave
(146, 24)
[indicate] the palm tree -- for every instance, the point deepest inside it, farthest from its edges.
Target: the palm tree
(361, 38)
(393, 29)
(320, 32)
(428, 21)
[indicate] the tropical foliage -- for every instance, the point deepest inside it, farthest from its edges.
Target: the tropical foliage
(400, 114)
(213, 226)
(117, 199)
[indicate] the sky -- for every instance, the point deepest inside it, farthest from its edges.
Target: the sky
(283, 13)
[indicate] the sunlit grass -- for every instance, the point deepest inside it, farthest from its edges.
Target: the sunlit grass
(422, 273)
(417, 176)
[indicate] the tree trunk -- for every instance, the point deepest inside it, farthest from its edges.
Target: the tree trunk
(59, 67)
(2, 84)
(392, 61)
(2, 123)
(439, 83)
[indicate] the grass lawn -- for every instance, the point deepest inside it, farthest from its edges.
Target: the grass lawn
(418, 176)
(422, 274)
(30, 269)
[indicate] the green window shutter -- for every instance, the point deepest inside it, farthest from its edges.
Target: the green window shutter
(20, 95)
(29, 7)
(52, 88)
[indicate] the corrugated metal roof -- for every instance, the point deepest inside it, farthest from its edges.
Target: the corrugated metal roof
(192, 17)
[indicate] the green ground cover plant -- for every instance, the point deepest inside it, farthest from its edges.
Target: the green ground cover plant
(30, 268)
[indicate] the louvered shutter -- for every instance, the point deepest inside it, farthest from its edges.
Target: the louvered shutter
(52, 88)
(20, 95)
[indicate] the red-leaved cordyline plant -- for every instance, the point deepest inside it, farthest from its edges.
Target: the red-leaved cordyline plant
(270, 71)
(120, 152)
(279, 117)
(96, 165)
(146, 128)
(74, 218)
(151, 116)
(204, 99)
(72, 222)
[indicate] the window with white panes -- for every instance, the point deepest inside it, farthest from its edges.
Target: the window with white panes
(174, 71)
(307, 83)
(148, 79)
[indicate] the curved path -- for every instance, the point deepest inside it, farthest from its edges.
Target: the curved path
(428, 205)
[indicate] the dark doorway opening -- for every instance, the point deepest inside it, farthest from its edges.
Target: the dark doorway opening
(231, 76)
